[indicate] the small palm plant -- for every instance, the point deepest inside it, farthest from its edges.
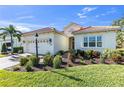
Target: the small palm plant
(12, 32)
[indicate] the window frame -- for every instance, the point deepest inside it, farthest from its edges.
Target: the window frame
(99, 42)
(92, 41)
(85, 42)
(96, 41)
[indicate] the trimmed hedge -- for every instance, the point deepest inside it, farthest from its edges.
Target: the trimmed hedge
(47, 60)
(4, 48)
(23, 61)
(57, 61)
(18, 50)
(34, 60)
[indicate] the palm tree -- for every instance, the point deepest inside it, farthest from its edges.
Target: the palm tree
(120, 34)
(10, 31)
(119, 22)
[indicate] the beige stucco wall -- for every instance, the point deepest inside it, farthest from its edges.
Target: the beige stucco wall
(60, 42)
(43, 47)
(108, 40)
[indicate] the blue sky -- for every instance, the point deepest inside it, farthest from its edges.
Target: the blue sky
(27, 18)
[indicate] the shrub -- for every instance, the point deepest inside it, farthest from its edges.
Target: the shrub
(108, 61)
(122, 59)
(116, 57)
(4, 48)
(28, 66)
(107, 53)
(82, 53)
(121, 51)
(102, 59)
(79, 53)
(47, 60)
(34, 60)
(82, 62)
(18, 50)
(88, 54)
(95, 61)
(16, 68)
(57, 61)
(23, 61)
(73, 52)
(87, 62)
(61, 52)
(95, 54)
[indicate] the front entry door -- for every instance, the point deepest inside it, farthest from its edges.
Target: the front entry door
(71, 43)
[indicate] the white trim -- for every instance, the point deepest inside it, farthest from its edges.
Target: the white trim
(82, 46)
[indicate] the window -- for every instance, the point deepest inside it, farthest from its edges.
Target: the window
(92, 41)
(99, 41)
(85, 42)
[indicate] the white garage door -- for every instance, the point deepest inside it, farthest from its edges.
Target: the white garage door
(44, 48)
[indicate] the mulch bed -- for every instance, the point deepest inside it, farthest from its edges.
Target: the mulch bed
(42, 67)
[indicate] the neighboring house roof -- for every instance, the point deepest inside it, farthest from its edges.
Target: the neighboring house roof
(43, 30)
(97, 29)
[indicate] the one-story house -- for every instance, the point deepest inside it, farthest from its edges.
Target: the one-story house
(96, 37)
(73, 36)
(49, 40)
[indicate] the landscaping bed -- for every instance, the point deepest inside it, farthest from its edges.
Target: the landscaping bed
(68, 59)
(42, 67)
(2, 55)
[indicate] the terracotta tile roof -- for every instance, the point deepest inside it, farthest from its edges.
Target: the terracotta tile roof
(97, 29)
(42, 30)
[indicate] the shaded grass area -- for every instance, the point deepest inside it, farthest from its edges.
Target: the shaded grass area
(120, 49)
(79, 76)
(1, 55)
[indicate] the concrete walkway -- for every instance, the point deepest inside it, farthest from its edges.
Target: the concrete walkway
(6, 62)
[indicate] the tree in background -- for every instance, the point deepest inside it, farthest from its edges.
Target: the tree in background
(4, 48)
(120, 34)
(11, 31)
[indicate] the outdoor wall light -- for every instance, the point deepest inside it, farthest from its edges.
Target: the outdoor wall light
(36, 35)
(50, 40)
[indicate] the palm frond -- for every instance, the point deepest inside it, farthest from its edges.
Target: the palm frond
(18, 36)
(18, 32)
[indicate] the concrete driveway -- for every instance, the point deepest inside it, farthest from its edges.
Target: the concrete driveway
(6, 62)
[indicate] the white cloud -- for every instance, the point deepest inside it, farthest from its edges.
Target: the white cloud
(97, 16)
(88, 9)
(24, 27)
(85, 10)
(25, 17)
(81, 15)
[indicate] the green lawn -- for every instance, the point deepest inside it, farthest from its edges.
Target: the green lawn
(80, 76)
(1, 55)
